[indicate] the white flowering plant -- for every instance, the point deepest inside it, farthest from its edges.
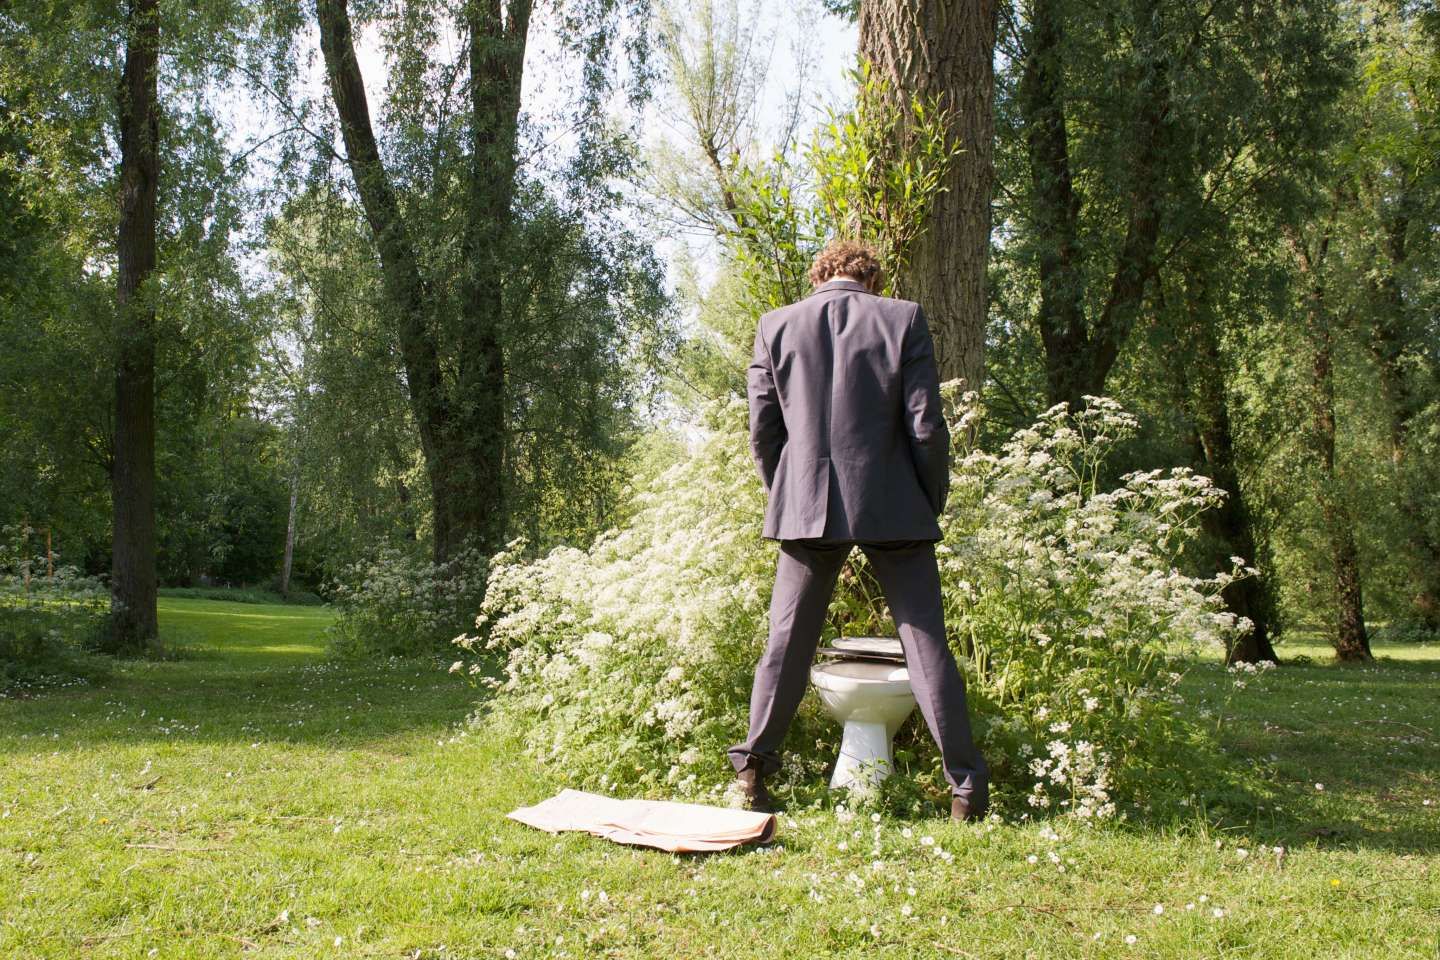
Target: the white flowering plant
(1067, 603)
(629, 664)
(395, 603)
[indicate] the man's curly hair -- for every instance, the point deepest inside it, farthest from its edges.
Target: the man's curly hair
(850, 257)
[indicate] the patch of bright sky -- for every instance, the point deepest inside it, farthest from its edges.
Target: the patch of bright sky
(802, 51)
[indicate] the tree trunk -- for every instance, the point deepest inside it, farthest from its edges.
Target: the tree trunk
(1390, 338)
(1078, 353)
(497, 42)
(132, 476)
(1056, 206)
(290, 535)
(1350, 639)
(1200, 373)
(462, 430)
(932, 48)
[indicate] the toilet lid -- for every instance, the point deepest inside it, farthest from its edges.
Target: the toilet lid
(883, 645)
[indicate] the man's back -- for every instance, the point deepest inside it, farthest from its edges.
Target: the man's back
(846, 425)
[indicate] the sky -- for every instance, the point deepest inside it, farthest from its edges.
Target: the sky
(782, 29)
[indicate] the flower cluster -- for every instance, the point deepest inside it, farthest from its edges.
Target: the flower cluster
(632, 660)
(1068, 601)
(1241, 673)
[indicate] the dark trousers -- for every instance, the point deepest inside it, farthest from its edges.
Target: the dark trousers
(804, 581)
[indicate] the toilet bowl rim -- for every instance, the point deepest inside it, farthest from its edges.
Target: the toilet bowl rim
(822, 677)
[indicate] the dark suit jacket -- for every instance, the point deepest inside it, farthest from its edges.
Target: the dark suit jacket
(846, 426)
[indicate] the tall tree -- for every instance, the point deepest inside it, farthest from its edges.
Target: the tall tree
(1124, 132)
(104, 380)
(1142, 151)
(462, 428)
(1313, 264)
(1200, 369)
(1082, 341)
(937, 49)
(518, 304)
(1396, 191)
(134, 622)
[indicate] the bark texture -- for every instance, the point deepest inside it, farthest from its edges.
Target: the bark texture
(132, 475)
(1350, 639)
(1199, 371)
(934, 48)
(288, 563)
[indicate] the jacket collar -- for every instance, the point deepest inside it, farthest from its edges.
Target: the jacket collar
(830, 285)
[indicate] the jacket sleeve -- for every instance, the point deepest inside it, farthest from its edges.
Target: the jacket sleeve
(767, 425)
(924, 416)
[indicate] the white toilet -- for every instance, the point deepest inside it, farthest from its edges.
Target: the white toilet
(872, 698)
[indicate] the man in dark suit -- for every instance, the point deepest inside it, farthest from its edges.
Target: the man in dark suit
(851, 444)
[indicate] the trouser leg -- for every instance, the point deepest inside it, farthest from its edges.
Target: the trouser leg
(804, 580)
(910, 577)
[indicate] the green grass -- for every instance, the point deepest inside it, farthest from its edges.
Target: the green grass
(243, 595)
(250, 799)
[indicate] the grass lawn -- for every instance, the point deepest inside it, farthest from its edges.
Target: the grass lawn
(253, 800)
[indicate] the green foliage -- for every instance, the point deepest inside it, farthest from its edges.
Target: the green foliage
(879, 168)
(869, 173)
(1369, 202)
(225, 510)
(519, 240)
(361, 478)
(1277, 117)
(49, 625)
(59, 72)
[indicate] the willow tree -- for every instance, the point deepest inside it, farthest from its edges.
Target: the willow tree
(1394, 219)
(1141, 153)
(513, 312)
(1110, 124)
(128, 344)
(1363, 254)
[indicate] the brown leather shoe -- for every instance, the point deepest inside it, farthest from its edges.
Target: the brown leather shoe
(752, 787)
(967, 809)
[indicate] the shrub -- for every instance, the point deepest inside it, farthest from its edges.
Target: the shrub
(398, 604)
(50, 626)
(1067, 604)
(630, 663)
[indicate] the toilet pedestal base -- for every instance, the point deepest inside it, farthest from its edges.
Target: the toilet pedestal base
(865, 757)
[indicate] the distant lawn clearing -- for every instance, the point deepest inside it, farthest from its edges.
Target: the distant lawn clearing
(253, 800)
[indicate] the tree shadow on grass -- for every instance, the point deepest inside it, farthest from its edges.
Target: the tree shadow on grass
(201, 700)
(1326, 755)
(240, 673)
